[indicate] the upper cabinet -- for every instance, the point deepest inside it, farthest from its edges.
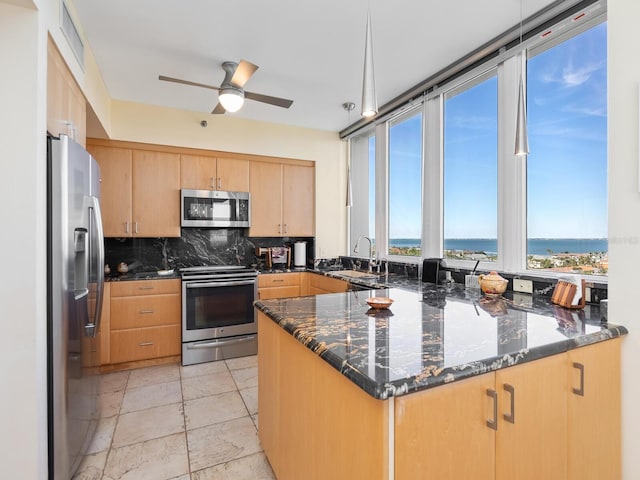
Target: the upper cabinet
(140, 191)
(282, 200)
(66, 105)
(211, 173)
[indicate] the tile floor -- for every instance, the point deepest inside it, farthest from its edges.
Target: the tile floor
(179, 423)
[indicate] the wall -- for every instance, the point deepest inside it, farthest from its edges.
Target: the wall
(624, 212)
(149, 124)
(23, 418)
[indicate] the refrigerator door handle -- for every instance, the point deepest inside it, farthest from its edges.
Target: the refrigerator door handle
(94, 208)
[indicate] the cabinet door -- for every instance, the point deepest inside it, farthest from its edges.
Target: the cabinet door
(442, 433)
(299, 201)
(265, 180)
(534, 446)
(269, 390)
(115, 189)
(233, 175)
(156, 194)
(594, 418)
(198, 172)
(105, 326)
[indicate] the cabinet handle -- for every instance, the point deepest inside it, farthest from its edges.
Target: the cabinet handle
(580, 367)
(493, 424)
(279, 228)
(285, 228)
(146, 311)
(146, 288)
(213, 183)
(511, 418)
(145, 344)
(278, 281)
(219, 183)
(135, 227)
(126, 227)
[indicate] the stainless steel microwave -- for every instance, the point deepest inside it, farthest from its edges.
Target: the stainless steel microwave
(213, 208)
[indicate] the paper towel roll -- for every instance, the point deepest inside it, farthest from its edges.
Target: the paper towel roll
(300, 254)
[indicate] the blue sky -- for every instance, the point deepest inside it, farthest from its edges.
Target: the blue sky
(567, 165)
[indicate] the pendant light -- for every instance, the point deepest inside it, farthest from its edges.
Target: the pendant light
(369, 102)
(522, 142)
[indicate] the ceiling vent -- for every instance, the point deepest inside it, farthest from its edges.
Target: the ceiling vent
(71, 32)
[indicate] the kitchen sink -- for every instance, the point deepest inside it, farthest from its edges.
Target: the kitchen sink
(356, 274)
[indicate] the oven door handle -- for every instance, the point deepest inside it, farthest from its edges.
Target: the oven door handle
(220, 284)
(219, 343)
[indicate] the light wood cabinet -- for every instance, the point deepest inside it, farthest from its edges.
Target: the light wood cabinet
(282, 200)
(140, 191)
(594, 418)
(444, 430)
(279, 285)
(534, 445)
(156, 194)
(200, 172)
(115, 189)
(319, 284)
(105, 326)
(145, 320)
(66, 105)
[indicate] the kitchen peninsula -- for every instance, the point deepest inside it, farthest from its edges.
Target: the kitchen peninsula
(445, 384)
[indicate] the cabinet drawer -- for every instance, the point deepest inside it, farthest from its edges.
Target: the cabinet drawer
(145, 343)
(278, 280)
(278, 292)
(145, 287)
(147, 311)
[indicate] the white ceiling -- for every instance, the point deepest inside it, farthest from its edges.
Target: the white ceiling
(310, 52)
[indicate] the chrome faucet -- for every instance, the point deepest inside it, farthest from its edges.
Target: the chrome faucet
(372, 260)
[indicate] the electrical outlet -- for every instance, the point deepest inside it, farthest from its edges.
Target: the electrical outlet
(523, 286)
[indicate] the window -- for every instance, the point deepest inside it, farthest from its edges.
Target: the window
(567, 166)
(405, 186)
(471, 170)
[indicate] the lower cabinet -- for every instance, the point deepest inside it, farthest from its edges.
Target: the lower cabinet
(144, 320)
(547, 419)
(593, 412)
(319, 284)
(279, 285)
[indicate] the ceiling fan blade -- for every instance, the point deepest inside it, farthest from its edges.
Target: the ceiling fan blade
(243, 73)
(218, 110)
(278, 102)
(187, 82)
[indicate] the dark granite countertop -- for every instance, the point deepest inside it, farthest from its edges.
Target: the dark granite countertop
(431, 335)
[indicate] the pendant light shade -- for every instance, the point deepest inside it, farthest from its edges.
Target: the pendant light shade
(369, 102)
(522, 142)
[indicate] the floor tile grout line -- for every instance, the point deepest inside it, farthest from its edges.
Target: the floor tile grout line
(184, 419)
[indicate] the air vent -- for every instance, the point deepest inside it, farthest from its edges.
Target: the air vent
(73, 37)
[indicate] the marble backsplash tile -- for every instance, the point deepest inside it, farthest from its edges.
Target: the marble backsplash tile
(195, 247)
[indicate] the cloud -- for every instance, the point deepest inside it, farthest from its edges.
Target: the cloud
(574, 77)
(586, 110)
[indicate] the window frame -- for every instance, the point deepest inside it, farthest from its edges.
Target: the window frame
(512, 172)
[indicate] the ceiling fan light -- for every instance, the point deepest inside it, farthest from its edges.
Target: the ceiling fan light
(231, 99)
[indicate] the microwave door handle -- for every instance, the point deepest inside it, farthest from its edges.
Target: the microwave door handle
(98, 239)
(220, 284)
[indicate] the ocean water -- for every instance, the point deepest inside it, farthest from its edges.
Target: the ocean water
(535, 246)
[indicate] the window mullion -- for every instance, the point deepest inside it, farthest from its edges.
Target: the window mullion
(511, 171)
(382, 187)
(432, 183)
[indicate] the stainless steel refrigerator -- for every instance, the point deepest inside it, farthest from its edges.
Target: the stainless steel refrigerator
(75, 251)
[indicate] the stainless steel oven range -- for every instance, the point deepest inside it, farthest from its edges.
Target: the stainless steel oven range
(218, 319)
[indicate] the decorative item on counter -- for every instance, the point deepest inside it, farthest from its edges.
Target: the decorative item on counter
(123, 267)
(566, 293)
(107, 269)
(492, 284)
(379, 302)
(165, 272)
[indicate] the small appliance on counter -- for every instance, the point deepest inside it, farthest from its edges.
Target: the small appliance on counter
(276, 258)
(300, 254)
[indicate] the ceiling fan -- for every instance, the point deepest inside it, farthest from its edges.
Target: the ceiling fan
(232, 94)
